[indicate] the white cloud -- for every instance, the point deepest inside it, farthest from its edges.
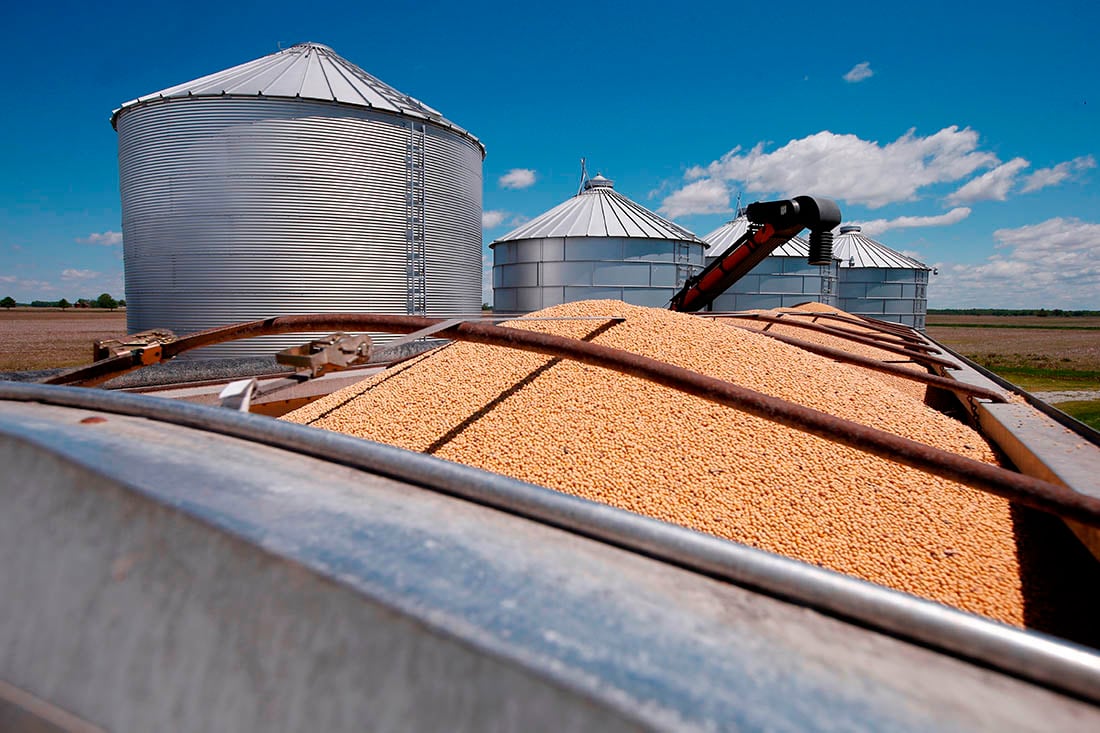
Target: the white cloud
(1053, 264)
(1053, 176)
(878, 226)
(26, 289)
(707, 196)
(72, 274)
(991, 186)
(859, 72)
(107, 239)
(495, 218)
(849, 168)
(517, 178)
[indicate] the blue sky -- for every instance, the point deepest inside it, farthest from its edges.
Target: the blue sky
(965, 134)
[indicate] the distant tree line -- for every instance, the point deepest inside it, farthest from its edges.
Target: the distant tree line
(103, 301)
(1040, 312)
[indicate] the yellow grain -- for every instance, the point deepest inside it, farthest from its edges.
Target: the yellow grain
(648, 449)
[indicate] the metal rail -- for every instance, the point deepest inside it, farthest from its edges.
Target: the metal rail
(1016, 487)
(893, 329)
(918, 356)
(1057, 664)
(932, 380)
(877, 334)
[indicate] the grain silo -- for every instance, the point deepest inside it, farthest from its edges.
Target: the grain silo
(294, 183)
(878, 282)
(598, 244)
(783, 279)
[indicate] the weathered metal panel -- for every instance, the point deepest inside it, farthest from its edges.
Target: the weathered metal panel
(638, 271)
(889, 293)
(242, 208)
(218, 583)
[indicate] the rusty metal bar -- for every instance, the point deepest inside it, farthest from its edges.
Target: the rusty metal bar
(889, 325)
(885, 337)
(917, 356)
(886, 328)
(886, 367)
(1016, 487)
(882, 336)
(893, 329)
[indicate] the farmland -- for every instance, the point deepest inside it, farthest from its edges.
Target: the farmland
(41, 338)
(1041, 354)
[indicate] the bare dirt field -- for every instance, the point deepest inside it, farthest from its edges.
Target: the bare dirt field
(1056, 359)
(1052, 322)
(42, 338)
(1023, 341)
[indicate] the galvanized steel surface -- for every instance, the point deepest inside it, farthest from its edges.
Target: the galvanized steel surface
(721, 238)
(597, 245)
(243, 208)
(783, 279)
(600, 211)
(878, 282)
(854, 249)
(920, 679)
(303, 71)
(537, 273)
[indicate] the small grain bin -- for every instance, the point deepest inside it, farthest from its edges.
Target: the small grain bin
(598, 244)
(783, 279)
(878, 282)
(294, 183)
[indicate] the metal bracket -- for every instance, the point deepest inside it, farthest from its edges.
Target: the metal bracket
(334, 352)
(137, 344)
(238, 395)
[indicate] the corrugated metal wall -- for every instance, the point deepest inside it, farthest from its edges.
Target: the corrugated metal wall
(242, 208)
(887, 293)
(531, 274)
(780, 282)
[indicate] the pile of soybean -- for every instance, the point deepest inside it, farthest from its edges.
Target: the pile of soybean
(910, 387)
(633, 444)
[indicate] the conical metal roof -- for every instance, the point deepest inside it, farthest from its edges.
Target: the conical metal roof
(600, 211)
(722, 237)
(853, 249)
(305, 71)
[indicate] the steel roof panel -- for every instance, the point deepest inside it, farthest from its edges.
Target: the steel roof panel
(308, 71)
(856, 250)
(721, 238)
(600, 211)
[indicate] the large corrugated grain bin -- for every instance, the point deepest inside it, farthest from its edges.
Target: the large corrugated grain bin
(294, 183)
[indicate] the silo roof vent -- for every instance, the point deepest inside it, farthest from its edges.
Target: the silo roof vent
(598, 181)
(856, 249)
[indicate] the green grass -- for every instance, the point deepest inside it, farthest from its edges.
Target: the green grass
(1036, 373)
(1048, 380)
(1087, 411)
